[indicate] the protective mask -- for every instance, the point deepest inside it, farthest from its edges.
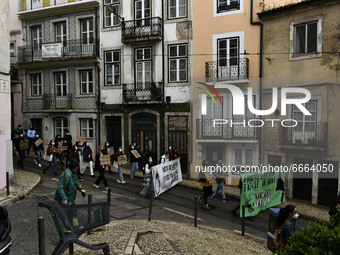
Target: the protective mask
(132, 147)
(107, 144)
(150, 160)
(52, 143)
(75, 147)
(296, 216)
(37, 136)
(120, 150)
(87, 144)
(21, 135)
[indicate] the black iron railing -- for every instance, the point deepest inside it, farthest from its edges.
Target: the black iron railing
(205, 129)
(65, 50)
(307, 134)
(233, 69)
(147, 29)
(142, 92)
(54, 101)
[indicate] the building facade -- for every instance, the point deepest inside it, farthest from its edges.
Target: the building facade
(146, 75)
(60, 70)
(304, 54)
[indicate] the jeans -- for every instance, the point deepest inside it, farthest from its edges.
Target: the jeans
(54, 163)
(146, 190)
(85, 165)
(22, 157)
(101, 177)
(120, 173)
(39, 155)
(134, 168)
(220, 185)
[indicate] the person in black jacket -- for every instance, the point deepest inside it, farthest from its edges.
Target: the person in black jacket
(88, 158)
(133, 161)
(38, 150)
(101, 169)
(22, 154)
(120, 178)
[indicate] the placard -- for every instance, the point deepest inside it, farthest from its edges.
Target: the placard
(135, 153)
(122, 160)
(38, 142)
(57, 150)
(24, 145)
(105, 160)
(110, 151)
(63, 148)
(80, 138)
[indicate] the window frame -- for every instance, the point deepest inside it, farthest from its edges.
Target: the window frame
(62, 127)
(114, 3)
(177, 10)
(178, 58)
(36, 85)
(86, 128)
(113, 64)
(293, 24)
(144, 61)
(218, 13)
(88, 71)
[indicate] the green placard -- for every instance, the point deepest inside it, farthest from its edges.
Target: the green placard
(262, 190)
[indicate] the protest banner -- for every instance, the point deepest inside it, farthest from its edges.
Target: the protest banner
(262, 190)
(105, 160)
(122, 160)
(165, 176)
(135, 153)
(110, 151)
(24, 145)
(38, 142)
(80, 138)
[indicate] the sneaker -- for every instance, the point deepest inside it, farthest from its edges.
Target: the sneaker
(94, 185)
(107, 187)
(39, 165)
(123, 182)
(201, 199)
(35, 162)
(224, 200)
(206, 206)
(119, 181)
(81, 179)
(214, 198)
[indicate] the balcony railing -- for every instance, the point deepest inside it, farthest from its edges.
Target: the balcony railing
(53, 101)
(58, 51)
(142, 30)
(142, 92)
(307, 134)
(227, 69)
(205, 130)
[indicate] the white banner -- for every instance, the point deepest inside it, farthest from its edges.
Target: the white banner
(51, 50)
(165, 176)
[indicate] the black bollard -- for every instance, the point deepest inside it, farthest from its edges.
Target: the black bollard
(243, 219)
(195, 212)
(7, 183)
(41, 235)
(89, 197)
(150, 205)
(109, 196)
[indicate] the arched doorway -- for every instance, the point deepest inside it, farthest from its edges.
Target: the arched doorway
(144, 134)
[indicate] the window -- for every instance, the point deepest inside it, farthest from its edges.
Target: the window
(60, 126)
(177, 9)
(112, 67)
(60, 84)
(86, 31)
(227, 5)
(243, 156)
(143, 66)
(111, 8)
(36, 36)
(214, 111)
(142, 13)
(306, 38)
(36, 84)
(86, 81)
(60, 32)
(12, 53)
(86, 128)
(178, 63)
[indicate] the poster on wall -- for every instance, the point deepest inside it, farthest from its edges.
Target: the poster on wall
(51, 50)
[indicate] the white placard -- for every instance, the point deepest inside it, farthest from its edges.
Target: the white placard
(51, 50)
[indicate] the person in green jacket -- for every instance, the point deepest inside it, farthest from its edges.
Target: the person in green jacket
(68, 184)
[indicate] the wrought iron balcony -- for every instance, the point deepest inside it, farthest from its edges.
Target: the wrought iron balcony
(142, 92)
(53, 101)
(142, 30)
(58, 51)
(304, 135)
(205, 130)
(227, 69)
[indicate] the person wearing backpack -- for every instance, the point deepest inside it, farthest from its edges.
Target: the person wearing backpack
(287, 219)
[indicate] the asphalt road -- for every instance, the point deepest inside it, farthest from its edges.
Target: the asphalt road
(176, 205)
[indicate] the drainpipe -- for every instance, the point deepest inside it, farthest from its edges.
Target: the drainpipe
(260, 73)
(98, 81)
(163, 86)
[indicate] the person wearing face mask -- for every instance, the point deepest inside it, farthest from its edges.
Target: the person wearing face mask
(101, 169)
(88, 159)
(120, 178)
(147, 180)
(68, 140)
(287, 218)
(38, 150)
(133, 161)
(22, 154)
(174, 155)
(165, 157)
(30, 134)
(53, 162)
(106, 152)
(74, 155)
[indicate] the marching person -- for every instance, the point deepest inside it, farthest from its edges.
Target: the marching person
(107, 152)
(68, 140)
(80, 154)
(75, 155)
(206, 185)
(287, 219)
(174, 155)
(220, 182)
(68, 184)
(30, 134)
(133, 161)
(147, 181)
(165, 157)
(22, 155)
(101, 169)
(50, 151)
(88, 159)
(120, 178)
(38, 150)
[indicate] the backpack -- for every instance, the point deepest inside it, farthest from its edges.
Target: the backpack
(278, 239)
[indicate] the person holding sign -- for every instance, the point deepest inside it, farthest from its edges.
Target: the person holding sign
(30, 134)
(108, 151)
(53, 162)
(18, 143)
(38, 148)
(133, 161)
(101, 169)
(147, 181)
(206, 185)
(118, 156)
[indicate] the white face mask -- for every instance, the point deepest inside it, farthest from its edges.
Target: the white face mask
(132, 147)
(87, 144)
(52, 143)
(37, 136)
(107, 144)
(120, 150)
(296, 216)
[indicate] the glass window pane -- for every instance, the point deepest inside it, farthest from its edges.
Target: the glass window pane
(182, 50)
(108, 56)
(173, 51)
(238, 156)
(116, 56)
(300, 39)
(249, 156)
(312, 38)
(147, 54)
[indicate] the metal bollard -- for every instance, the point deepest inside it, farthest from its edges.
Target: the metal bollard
(243, 219)
(150, 205)
(71, 248)
(41, 235)
(89, 197)
(109, 196)
(195, 212)
(7, 183)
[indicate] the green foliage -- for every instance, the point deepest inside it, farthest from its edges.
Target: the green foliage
(318, 238)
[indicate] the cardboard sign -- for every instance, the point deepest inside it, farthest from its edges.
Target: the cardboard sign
(38, 142)
(60, 144)
(105, 160)
(80, 138)
(63, 148)
(24, 145)
(122, 160)
(135, 153)
(110, 151)
(57, 150)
